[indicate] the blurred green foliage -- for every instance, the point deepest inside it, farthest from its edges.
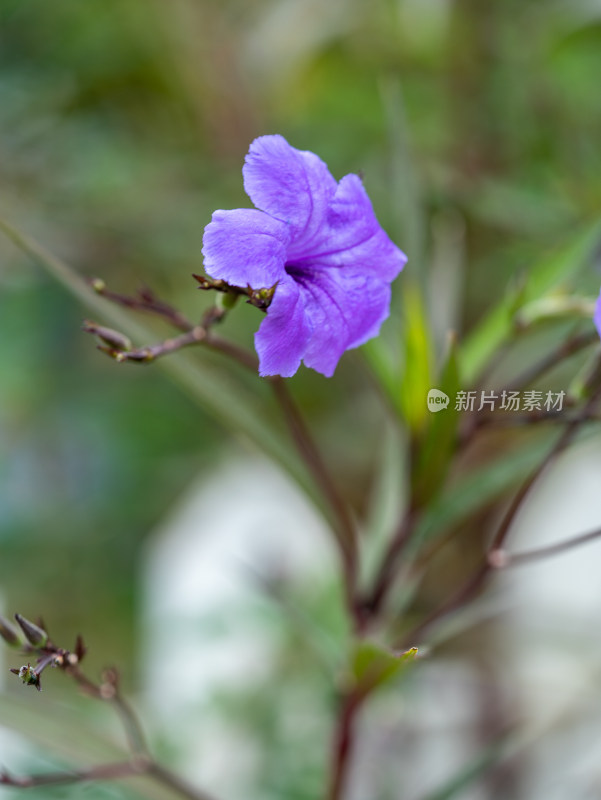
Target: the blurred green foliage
(124, 124)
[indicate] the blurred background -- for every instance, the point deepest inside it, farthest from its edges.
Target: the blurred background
(124, 124)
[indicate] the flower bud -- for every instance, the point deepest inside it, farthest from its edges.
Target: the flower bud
(9, 633)
(35, 636)
(114, 339)
(28, 675)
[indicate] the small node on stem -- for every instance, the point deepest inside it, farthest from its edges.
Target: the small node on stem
(499, 559)
(98, 285)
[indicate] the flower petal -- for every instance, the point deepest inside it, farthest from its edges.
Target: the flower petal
(353, 236)
(344, 307)
(597, 317)
(245, 247)
(283, 336)
(292, 185)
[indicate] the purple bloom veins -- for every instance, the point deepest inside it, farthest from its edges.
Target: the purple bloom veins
(320, 242)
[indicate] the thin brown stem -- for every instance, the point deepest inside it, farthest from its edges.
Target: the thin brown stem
(473, 424)
(144, 300)
(510, 420)
(131, 726)
(244, 357)
(560, 445)
(343, 744)
(346, 535)
(103, 772)
(386, 573)
(108, 772)
(141, 760)
(476, 581)
(501, 559)
(387, 570)
(118, 347)
(151, 352)
(109, 691)
(175, 783)
(566, 349)
(460, 598)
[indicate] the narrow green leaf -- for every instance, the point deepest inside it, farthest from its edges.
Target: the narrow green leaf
(436, 446)
(372, 666)
(416, 379)
(552, 271)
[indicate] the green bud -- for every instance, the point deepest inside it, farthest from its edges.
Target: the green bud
(28, 675)
(98, 285)
(228, 300)
(261, 298)
(35, 636)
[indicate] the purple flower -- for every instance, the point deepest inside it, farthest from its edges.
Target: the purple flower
(320, 242)
(597, 317)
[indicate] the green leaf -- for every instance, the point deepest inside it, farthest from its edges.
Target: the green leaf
(552, 271)
(417, 379)
(372, 666)
(436, 445)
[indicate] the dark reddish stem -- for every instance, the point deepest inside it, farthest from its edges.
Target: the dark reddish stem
(475, 582)
(387, 571)
(566, 349)
(144, 300)
(346, 535)
(117, 346)
(343, 744)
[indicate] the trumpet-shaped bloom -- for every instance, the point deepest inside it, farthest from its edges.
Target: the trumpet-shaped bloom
(319, 243)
